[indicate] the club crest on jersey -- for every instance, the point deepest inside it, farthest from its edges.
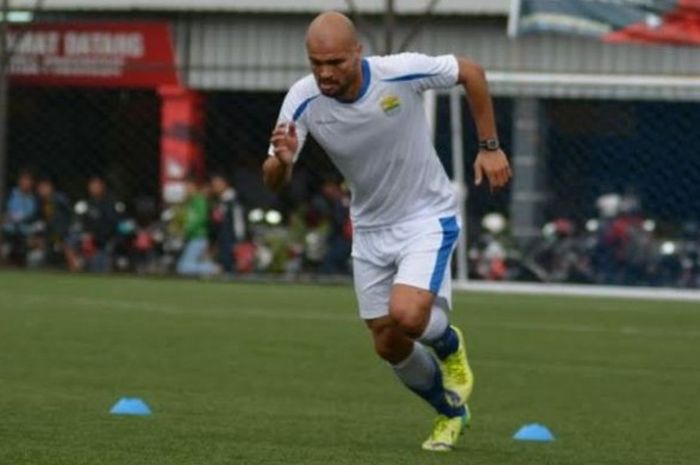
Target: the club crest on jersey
(390, 104)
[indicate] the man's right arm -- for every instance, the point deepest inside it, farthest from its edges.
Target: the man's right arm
(289, 134)
(275, 173)
(284, 145)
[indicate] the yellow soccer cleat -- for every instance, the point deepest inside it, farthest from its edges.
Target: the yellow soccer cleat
(446, 432)
(457, 376)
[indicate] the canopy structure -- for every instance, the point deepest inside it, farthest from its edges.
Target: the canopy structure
(675, 22)
(409, 7)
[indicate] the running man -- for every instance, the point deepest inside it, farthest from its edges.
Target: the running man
(367, 113)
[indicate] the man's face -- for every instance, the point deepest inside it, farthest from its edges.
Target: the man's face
(44, 189)
(218, 185)
(335, 66)
(25, 183)
(96, 188)
(191, 188)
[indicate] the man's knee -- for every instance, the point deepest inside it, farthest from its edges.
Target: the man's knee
(390, 343)
(383, 345)
(411, 320)
(409, 308)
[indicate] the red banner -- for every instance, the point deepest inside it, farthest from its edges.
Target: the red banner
(680, 26)
(182, 154)
(92, 54)
(675, 22)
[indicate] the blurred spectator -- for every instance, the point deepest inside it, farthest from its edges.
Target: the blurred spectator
(99, 227)
(55, 215)
(194, 259)
(19, 219)
(228, 226)
(339, 241)
(623, 249)
(148, 236)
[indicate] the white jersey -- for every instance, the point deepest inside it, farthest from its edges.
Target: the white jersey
(381, 142)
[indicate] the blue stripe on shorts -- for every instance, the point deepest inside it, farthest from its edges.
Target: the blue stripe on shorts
(450, 233)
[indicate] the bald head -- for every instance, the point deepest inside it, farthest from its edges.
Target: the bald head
(335, 55)
(331, 30)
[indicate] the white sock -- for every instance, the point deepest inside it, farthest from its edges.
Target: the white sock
(437, 324)
(417, 371)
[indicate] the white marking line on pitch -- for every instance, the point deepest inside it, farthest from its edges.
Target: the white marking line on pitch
(625, 330)
(581, 290)
(575, 367)
(127, 305)
(264, 313)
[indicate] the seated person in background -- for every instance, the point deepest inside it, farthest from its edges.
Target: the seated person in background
(55, 215)
(99, 227)
(227, 225)
(336, 203)
(19, 219)
(194, 260)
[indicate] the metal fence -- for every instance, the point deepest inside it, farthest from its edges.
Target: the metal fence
(609, 197)
(606, 191)
(72, 138)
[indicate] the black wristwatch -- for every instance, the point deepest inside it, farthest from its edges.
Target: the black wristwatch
(489, 144)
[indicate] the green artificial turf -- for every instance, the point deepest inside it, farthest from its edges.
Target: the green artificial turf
(285, 374)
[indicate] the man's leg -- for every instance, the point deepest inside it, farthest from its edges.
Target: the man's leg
(416, 312)
(225, 252)
(187, 262)
(449, 346)
(194, 260)
(422, 295)
(413, 364)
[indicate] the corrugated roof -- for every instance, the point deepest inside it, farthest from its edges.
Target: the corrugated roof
(466, 7)
(266, 53)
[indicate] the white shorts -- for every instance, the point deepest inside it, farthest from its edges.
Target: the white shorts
(416, 254)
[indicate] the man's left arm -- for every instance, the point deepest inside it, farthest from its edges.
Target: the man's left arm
(491, 161)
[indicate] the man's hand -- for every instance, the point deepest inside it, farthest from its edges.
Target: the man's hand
(277, 170)
(494, 165)
(285, 142)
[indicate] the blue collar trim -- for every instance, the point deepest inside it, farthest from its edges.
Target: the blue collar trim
(366, 80)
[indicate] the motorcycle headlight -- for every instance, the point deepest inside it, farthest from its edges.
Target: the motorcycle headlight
(81, 207)
(592, 225)
(668, 248)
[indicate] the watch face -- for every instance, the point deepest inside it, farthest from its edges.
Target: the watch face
(490, 144)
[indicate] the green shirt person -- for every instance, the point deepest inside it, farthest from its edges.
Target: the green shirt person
(196, 216)
(195, 260)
